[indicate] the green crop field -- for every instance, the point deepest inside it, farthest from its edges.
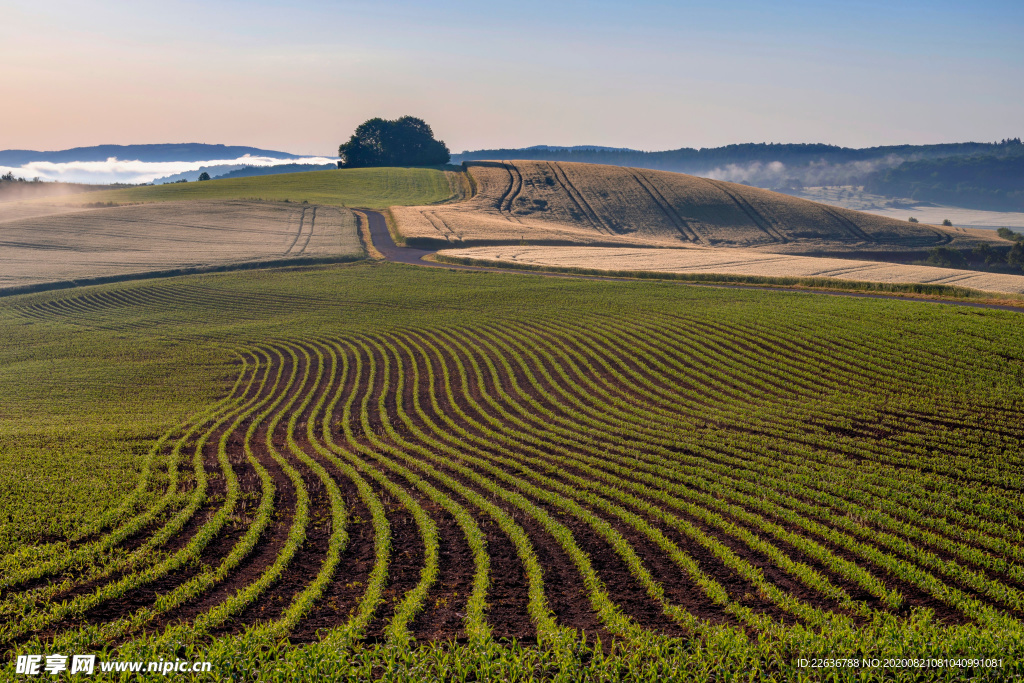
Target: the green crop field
(372, 188)
(381, 471)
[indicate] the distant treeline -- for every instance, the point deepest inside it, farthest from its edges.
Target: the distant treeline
(274, 170)
(688, 159)
(984, 181)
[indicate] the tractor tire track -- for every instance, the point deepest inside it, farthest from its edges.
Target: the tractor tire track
(760, 221)
(680, 223)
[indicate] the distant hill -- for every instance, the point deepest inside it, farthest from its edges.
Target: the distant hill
(190, 151)
(562, 203)
(374, 188)
(689, 159)
(766, 165)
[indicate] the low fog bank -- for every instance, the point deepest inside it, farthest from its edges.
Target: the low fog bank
(18, 191)
(133, 171)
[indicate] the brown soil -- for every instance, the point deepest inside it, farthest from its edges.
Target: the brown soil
(444, 612)
(342, 595)
(508, 612)
(308, 559)
(407, 559)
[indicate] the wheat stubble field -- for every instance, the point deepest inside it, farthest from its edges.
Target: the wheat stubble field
(127, 240)
(186, 226)
(374, 470)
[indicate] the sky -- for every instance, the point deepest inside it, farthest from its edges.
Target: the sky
(299, 76)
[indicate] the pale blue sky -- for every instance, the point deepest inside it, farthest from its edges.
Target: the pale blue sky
(299, 76)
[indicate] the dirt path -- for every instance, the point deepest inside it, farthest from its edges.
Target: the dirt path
(384, 243)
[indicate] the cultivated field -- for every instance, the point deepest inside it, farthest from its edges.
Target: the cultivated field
(730, 262)
(130, 240)
(371, 469)
(586, 204)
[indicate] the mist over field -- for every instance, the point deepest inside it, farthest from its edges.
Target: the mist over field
(774, 174)
(115, 170)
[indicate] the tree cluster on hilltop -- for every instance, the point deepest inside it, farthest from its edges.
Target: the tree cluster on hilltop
(407, 141)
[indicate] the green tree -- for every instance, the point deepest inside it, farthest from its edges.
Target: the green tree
(407, 141)
(1016, 256)
(948, 223)
(987, 255)
(204, 176)
(912, 219)
(946, 258)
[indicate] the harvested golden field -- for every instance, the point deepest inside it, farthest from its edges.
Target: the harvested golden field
(588, 204)
(129, 240)
(735, 262)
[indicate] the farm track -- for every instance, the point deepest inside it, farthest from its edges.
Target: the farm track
(506, 202)
(613, 475)
(303, 235)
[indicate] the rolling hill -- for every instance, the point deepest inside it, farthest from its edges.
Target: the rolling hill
(559, 203)
(365, 187)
